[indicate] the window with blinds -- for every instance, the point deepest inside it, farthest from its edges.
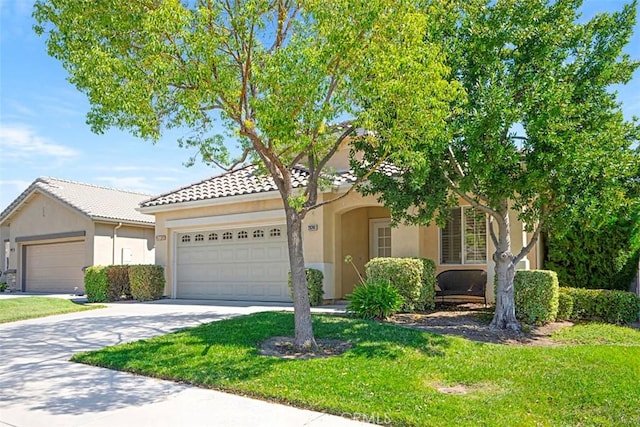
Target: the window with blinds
(463, 240)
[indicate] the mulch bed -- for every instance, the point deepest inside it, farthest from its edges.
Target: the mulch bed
(471, 321)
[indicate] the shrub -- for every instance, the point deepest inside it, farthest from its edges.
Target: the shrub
(405, 274)
(374, 299)
(147, 282)
(117, 282)
(604, 305)
(314, 285)
(427, 299)
(536, 296)
(602, 258)
(95, 284)
(565, 304)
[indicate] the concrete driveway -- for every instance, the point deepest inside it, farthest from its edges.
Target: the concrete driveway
(40, 387)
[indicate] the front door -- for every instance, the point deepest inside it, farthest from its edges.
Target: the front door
(380, 238)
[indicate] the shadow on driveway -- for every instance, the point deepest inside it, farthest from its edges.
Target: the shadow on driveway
(35, 373)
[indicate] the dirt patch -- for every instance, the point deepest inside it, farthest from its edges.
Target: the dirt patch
(471, 321)
(283, 347)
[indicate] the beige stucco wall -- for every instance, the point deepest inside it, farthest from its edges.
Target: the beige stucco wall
(133, 245)
(42, 215)
(329, 234)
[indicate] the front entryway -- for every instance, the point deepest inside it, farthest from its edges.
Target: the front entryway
(364, 233)
(233, 264)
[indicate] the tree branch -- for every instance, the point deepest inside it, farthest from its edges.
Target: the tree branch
(356, 182)
(534, 239)
(492, 232)
(230, 168)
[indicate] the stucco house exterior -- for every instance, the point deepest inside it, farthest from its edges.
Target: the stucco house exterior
(225, 237)
(55, 228)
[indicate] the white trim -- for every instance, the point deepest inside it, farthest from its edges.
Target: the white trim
(271, 217)
(174, 264)
(373, 225)
(210, 202)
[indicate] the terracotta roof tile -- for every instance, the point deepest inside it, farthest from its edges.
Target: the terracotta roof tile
(248, 180)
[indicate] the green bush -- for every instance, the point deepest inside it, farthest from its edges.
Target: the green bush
(374, 299)
(536, 296)
(96, 284)
(427, 299)
(314, 285)
(147, 282)
(602, 258)
(565, 304)
(118, 282)
(604, 305)
(405, 274)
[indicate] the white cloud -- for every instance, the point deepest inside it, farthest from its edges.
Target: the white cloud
(19, 142)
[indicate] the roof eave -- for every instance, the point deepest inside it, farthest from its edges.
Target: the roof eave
(123, 221)
(228, 200)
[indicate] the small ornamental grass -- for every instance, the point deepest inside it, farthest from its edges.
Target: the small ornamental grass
(374, 300)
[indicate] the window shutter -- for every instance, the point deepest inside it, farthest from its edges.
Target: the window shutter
(475, 236)
(451, 239)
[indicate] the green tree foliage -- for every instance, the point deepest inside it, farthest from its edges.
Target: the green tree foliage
(605, 257)
(538, 129)
(275, 73)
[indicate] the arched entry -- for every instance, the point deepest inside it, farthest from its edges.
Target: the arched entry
(362, 233)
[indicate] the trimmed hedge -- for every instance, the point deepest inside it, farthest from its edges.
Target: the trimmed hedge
(147, 282)
(314, 285)
(374, 299)
(118, 286)
(536, 296)
(405, 274)
(112, 283)
(565, 305)
(427, 300)
(96, 284)
(619, 307)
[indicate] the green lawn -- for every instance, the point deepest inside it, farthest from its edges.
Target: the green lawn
(392, 375)
(13, 309)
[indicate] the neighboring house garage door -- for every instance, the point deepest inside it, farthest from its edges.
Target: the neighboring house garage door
(56, 267)
(235, 264)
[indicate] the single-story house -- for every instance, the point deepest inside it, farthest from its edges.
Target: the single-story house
(56, 228)
(225, 237)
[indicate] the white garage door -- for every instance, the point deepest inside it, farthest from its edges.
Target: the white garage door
(55, 267)
(234, 264)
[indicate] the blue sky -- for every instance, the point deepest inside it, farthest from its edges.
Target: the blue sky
(43, 130)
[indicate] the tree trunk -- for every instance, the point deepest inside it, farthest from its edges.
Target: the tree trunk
(505, 314)
(304, 340)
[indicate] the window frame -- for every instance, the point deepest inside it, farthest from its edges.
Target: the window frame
(463, 244)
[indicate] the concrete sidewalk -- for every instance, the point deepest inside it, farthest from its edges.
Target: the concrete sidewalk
(39, 387)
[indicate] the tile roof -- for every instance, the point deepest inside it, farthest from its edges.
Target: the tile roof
(98, 203)
(247, 180)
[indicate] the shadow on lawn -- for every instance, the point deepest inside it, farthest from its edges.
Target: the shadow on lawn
(369, 339)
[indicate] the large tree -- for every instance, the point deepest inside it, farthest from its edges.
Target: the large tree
(277, 73)
(539, 130)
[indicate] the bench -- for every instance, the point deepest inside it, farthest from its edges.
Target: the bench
(465, 283)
